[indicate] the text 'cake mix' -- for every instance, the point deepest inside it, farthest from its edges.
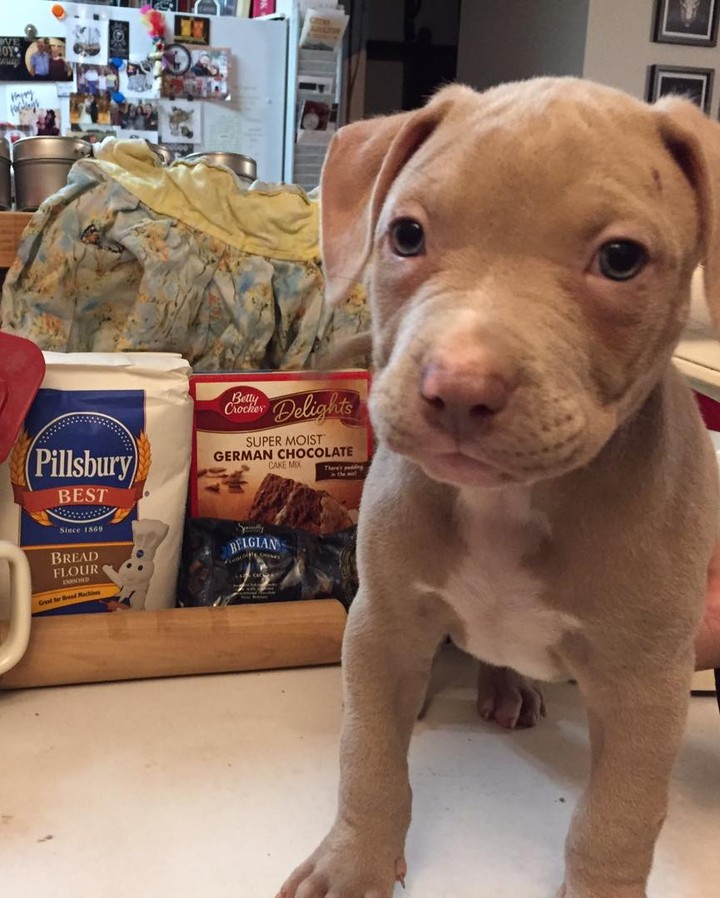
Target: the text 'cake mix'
(290, 449)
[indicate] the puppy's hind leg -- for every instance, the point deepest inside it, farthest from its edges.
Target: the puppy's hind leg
(508, 697)
(503, 695)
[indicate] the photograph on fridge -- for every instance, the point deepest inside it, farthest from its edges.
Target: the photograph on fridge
(132, 114)
(206, 78)
(97, 80)
(87, 40)
(40, 122)
(180, 121)
(32, 109)
(137, 79)
(192, 30)
(40, 59)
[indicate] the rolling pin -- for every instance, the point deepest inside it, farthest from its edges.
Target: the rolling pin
(128, 645)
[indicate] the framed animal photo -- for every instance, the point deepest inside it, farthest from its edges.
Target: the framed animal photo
(693, 84)
(690, 22)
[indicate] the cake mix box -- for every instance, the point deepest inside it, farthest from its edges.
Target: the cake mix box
(280, 448)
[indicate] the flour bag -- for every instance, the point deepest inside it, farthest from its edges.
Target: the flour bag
(95, 487)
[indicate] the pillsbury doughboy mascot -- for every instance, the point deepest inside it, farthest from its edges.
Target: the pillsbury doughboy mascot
(133, 578)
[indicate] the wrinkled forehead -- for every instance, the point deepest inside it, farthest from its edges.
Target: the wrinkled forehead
(532, 155)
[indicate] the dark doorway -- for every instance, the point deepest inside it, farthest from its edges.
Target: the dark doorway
(411, 48)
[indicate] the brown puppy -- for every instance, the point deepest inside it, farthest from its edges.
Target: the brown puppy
(543, 489)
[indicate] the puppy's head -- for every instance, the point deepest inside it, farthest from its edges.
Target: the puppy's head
(528, 254)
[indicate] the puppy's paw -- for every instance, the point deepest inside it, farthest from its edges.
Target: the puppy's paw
(347, 866)
(508, 697)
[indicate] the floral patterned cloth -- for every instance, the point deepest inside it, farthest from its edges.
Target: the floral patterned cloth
(100, 269)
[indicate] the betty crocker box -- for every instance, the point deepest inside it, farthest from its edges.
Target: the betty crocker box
(288, 448)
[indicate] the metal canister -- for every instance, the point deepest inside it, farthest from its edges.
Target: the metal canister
(243, 166)
(5, 192)
(42, 165)
(166, 154)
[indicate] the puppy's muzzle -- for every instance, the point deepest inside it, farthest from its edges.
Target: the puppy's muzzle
(463, 391)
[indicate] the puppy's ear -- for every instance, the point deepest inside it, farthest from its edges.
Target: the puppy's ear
(694, 141)
(363, 160)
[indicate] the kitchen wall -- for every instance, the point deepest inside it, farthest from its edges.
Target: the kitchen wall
(606, 40)
(619, 48)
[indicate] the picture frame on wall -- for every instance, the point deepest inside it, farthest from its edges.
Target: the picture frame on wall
(692, 83)
(690, 22)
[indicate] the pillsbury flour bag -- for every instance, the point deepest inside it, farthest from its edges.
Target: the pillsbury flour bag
(94, 489)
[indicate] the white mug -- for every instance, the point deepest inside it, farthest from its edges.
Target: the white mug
(18, 635)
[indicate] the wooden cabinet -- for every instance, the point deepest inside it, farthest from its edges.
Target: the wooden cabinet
(12, 224)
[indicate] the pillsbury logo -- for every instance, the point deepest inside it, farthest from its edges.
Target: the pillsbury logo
(82, 467)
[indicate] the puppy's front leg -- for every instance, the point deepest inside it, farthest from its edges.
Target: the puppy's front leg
(386, 664)
(636, 724)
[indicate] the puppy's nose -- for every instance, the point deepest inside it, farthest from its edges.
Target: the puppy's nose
(464, 394)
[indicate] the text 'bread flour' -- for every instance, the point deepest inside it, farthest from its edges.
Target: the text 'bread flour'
(95, 487)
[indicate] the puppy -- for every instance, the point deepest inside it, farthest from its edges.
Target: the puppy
(543, 489)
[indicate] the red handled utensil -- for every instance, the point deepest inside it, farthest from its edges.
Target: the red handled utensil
(22, 368)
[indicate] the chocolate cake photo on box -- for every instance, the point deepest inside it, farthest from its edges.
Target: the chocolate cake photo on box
(281, 500)
(289, 449)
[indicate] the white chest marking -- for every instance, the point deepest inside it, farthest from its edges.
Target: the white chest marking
(497, 598)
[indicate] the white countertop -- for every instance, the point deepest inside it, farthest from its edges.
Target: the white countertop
(216, 786)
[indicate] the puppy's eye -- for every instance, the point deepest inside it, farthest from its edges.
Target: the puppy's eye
(407, 237)
(621, 260)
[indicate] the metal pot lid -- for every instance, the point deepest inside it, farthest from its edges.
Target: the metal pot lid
(62, 149)
(243, 166)
(165, 153)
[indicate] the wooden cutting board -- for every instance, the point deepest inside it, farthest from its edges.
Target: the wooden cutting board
(128, 645)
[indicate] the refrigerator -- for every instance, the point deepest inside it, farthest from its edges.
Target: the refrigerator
(257, 115)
